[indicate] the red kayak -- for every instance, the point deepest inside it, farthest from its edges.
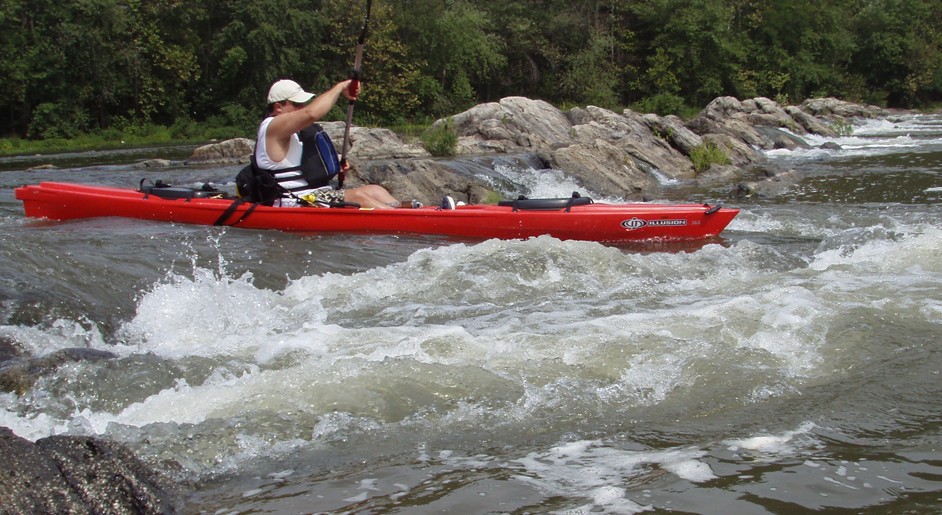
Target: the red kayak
(576, 218)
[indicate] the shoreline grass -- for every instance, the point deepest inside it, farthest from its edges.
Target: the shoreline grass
(139, 136)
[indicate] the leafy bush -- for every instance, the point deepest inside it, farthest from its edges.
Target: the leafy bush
(184, 128)
(441, 139)
(706, 155)
(842, 128)
(57, 120)
(241, 118)
(662, 104)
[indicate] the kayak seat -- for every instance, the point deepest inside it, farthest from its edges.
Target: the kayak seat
(164, 190)
(546, 204)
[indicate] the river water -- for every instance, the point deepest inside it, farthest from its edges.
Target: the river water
(792, 365)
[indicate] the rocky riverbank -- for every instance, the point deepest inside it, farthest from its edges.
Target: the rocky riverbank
(619, 154)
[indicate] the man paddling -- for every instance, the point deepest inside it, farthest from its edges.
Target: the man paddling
(283, 136)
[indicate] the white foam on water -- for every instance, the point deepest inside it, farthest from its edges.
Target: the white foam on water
(589, 468)
(763, 222)
(61, 334)
(772, 446)
(30, 426)
(205, 316)
(904, 125)
(478, 335)
(650, 379)
(790, 329)
(552, 183)
(915, 251)
(662, 179)
(871, 137)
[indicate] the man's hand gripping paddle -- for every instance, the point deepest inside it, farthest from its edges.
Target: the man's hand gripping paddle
(354, 91)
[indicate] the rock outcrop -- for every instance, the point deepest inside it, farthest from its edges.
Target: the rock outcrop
(619, 154)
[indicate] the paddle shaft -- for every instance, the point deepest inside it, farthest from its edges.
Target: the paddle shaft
(354, 90)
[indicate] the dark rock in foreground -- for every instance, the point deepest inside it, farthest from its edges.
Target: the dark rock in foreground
(71, 474)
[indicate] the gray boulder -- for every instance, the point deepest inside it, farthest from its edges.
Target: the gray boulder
(832, 107)
(616, 153)
(631, 132)
(809, 123)
(68, 474)
(743, 120)
(515, 124)
(231, 151)
(602, 166)
(672, 129)
(425, 180)
(373, 143)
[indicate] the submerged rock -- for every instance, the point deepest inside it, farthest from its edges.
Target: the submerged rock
(18, 373)
(772, 184)
(154, 163)
(9, 350)
(42, 167)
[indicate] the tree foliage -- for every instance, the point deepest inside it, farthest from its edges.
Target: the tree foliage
(94, 65)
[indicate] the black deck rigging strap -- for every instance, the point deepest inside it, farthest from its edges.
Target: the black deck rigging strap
(242, 200)
(232, 208)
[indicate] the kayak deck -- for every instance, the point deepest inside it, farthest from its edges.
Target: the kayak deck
(593, 221)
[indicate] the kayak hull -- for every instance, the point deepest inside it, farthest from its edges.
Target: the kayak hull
(593, 222)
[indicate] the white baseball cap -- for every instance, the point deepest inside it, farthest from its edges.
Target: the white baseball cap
(288, 90)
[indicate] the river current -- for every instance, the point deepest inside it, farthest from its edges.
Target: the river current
(791, 365)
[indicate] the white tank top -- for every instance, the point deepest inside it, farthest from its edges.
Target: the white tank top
(292, 159)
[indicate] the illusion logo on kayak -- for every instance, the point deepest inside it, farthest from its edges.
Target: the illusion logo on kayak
(637, 223)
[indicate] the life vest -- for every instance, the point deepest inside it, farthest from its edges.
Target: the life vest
(319, 164)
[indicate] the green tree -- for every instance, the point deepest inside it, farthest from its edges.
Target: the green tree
(85, 65)
(591, 77)
(530, 50)
(390, 75)
(456, 47)
(664, 96)
(249, 44)
(696, 37)
(899, 51)
(794, 49)
(159, 61)
(27, 59)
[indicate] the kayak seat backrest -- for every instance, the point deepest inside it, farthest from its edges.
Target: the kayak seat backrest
(545, 204)
(164, 190)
